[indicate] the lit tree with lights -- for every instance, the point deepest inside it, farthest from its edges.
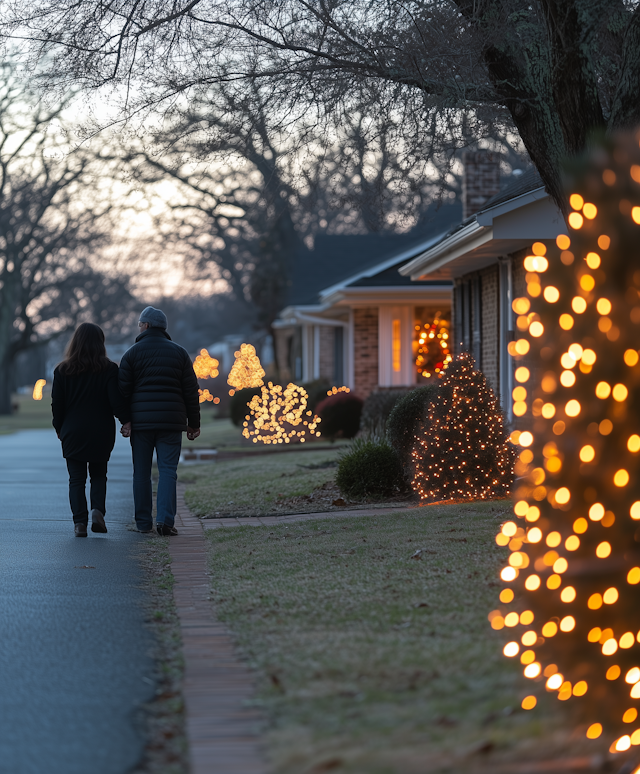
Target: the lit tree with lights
(462, 451)
(247, 371)
(573, 576)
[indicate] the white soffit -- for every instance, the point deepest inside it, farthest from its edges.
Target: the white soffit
(500, 230)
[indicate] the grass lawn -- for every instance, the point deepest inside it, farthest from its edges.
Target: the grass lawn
(370, 661)
(31, 415)
(282, 482)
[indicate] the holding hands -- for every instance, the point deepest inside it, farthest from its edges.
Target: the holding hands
(125, 430)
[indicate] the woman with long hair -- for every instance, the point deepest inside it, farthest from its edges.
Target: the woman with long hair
(84, 400)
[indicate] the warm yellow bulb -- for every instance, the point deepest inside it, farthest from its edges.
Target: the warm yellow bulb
(548, 410)
(609, 647)
(610, 596)
(594, 602)
(567, 624)
(630, 715)
(576, 201)
(506, 596)
(521, 347)
(521, 305)
(580, 525)
(634, 511)
(620, 393)
(572, 543)
(593, 260)
(633, 576)
(631, 357)
(555, 681)
(567, 378)
(596, 512)
(594, 731)
(522, 374)
(590, 211)
(578, 304)
(572, 409)
(551, 294)
(568, 361)
(511, 649)
(536, 329)
(635, 214)
(624, 743)
(588, 357)
(632, 676)
(568, 594)
(603, 390)
(621, 478)
(534, 535)
(563, 495)
(587, 282)
(603, 550)
(529, 702)
(533, 670)
(627, 640)
(603, 306)
(532, 583)
(633, 444)
(587, 453)
(566, 322)
(580, 688)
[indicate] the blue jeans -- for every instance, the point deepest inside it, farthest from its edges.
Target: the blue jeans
(167, 444)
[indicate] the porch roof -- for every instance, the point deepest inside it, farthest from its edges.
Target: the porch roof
(510, 221)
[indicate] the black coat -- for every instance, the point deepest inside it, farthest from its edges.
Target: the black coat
(83, 409)
(157, 378)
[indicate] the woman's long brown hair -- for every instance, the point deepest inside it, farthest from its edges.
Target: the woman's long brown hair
(86, 352)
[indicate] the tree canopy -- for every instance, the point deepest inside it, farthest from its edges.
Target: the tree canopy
(556, 71)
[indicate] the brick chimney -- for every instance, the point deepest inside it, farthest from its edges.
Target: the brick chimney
(480, 179)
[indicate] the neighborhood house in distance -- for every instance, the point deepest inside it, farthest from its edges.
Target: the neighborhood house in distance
(364, 310)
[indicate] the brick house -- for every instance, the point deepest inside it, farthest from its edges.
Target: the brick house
(360, 329)
(483, 257)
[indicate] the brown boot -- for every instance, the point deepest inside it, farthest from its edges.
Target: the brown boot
(97, 521)
(80, 529)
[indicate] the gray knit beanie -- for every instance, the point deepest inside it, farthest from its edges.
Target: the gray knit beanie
(155, 317)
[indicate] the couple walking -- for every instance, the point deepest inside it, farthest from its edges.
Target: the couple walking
(154, 394)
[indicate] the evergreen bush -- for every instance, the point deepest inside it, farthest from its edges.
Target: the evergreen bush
(406, 417)
(462, 450)
(239, 404)
(370, 469)
(340, 415)
(376, 410)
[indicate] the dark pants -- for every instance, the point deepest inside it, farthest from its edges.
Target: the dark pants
(77, 482)
(167, 444)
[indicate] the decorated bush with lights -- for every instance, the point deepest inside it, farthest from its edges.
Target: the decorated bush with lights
(462, 450)
(280, 415)
(571, 605)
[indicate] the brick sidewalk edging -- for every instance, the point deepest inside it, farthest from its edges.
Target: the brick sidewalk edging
(222, 730)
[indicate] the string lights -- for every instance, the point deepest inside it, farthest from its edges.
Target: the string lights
(205, 366)
(279, 415)
(205, 395)
(463, 451)
(336, 390)
(432, 355)
(247, 371)
(573, 574)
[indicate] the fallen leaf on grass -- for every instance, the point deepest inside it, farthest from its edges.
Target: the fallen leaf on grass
(339, 502)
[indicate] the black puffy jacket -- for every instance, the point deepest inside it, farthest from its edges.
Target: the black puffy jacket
(157, 378)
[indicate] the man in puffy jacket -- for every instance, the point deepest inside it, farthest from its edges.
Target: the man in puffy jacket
(157, 378)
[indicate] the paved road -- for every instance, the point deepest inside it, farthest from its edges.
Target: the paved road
(74, 652)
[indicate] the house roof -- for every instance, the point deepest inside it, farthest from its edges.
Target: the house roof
(521, 213)
(339, 260)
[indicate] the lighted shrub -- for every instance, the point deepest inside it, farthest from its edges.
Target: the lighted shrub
(462, 450)
(409, 414)
(340, 415)
(377, 408)
(316, 392)
(370, 470)
(239, 404)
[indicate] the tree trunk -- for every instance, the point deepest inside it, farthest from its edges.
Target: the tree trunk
(6, 379)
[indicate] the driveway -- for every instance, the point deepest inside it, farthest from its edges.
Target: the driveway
(75, 664)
